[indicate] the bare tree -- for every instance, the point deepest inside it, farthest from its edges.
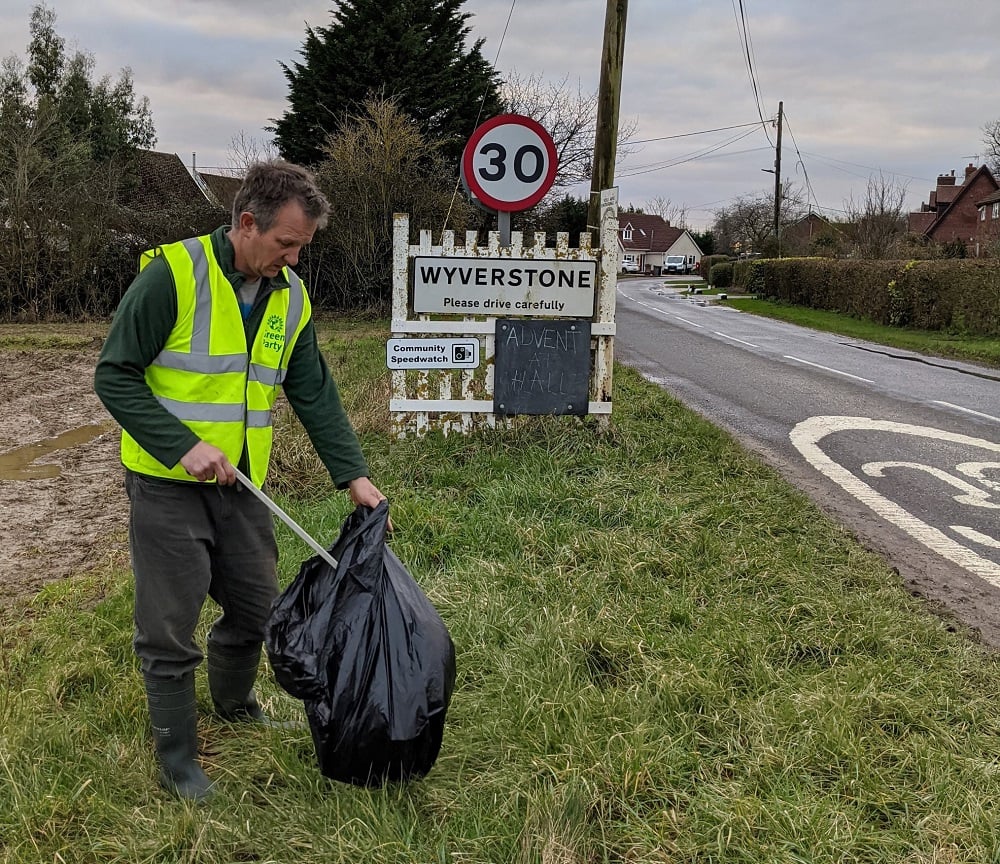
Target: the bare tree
(877, 218)
(569, 116)
(55, 201)
(675, 214)
(377, 164)
(67, 144)
(245, 150)
(991, 139)
(747, 223)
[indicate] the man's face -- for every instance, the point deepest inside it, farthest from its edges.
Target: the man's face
(264, 254)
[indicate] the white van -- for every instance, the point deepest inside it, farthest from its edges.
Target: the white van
(676, 264)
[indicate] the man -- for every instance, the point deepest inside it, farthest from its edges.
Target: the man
(201, 342)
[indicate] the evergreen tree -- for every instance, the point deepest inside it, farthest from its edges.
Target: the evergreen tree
(46, 52)
(411, 51)
(565, 214)
(55, 93)
(705, 240)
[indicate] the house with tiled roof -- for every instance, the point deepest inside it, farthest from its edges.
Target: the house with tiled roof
(645, 241)
(163, 190)
(952, 211)
(163, 182)
(220, 188)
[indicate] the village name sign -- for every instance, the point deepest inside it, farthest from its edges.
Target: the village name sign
(518, 286)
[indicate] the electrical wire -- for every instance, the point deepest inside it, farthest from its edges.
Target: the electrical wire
(831, 160)
(690, 157)
(496, 60)
(650, 169)
(746, 45)
(647, 169)
(479, 114)
(689, 134)
(805, 173)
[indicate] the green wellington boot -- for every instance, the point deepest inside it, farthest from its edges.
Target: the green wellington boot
(231, 676)
(174, 717)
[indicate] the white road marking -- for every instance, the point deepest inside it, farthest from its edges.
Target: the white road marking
(976, 537)
(661, 312)
(726, 336)
(976, 470)
(806, 437)
(685, 320)
(970, 494)
(967, 410)
(828, 369)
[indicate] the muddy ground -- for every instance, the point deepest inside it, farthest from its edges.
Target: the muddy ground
(65, 510)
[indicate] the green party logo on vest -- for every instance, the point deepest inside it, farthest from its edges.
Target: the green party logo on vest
(274, 335)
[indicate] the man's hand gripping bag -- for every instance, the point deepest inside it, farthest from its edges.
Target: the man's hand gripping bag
(369, 655)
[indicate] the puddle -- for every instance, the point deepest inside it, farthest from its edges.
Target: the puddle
(20, 464)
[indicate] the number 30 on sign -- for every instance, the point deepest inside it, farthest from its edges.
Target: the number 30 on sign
(509, 163)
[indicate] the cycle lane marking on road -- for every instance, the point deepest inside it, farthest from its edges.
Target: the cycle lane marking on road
(968, 494)
(806, 438)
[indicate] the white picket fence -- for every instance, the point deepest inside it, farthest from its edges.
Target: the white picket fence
(460, 400)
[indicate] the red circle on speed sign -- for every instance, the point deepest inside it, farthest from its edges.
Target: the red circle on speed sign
(509, 163)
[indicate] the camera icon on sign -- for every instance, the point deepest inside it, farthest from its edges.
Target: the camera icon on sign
(461, 353)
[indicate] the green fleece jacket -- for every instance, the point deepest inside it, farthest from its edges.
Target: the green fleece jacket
(139, 330)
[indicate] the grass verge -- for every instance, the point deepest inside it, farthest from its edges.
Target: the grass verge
(665, 654)
(975, 349)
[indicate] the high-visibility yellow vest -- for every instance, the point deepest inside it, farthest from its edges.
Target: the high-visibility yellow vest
(205, 375)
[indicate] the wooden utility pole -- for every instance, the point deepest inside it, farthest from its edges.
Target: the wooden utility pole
(608, 99)
(777, 183)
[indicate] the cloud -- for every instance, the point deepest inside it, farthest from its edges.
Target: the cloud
(893, 85)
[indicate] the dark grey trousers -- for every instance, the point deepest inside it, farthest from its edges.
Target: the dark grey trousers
(190, 541)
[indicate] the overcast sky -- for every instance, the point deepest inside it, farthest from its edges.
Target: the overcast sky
(898, 86)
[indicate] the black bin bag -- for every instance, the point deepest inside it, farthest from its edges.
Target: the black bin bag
(368, 654)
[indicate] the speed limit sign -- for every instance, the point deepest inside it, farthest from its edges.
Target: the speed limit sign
(509, 163)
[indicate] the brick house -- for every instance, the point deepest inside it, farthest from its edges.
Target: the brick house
(988, 228)
(645, 240)
(952, 211)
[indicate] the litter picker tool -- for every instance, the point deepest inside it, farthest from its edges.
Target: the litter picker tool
(284, 517)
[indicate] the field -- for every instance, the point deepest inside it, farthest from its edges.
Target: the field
(665, 654)
(54, 433)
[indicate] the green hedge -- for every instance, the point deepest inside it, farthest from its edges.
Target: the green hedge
(948, 295)
(748, 276)
(721, 275)
(708, 262)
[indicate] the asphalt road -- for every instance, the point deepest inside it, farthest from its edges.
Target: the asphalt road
(902, 449)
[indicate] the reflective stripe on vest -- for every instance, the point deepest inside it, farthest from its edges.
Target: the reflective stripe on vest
(211, 382)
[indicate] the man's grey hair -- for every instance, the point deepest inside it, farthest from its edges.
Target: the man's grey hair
(269, 186)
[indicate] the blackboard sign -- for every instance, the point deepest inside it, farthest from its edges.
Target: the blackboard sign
(542, 366)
